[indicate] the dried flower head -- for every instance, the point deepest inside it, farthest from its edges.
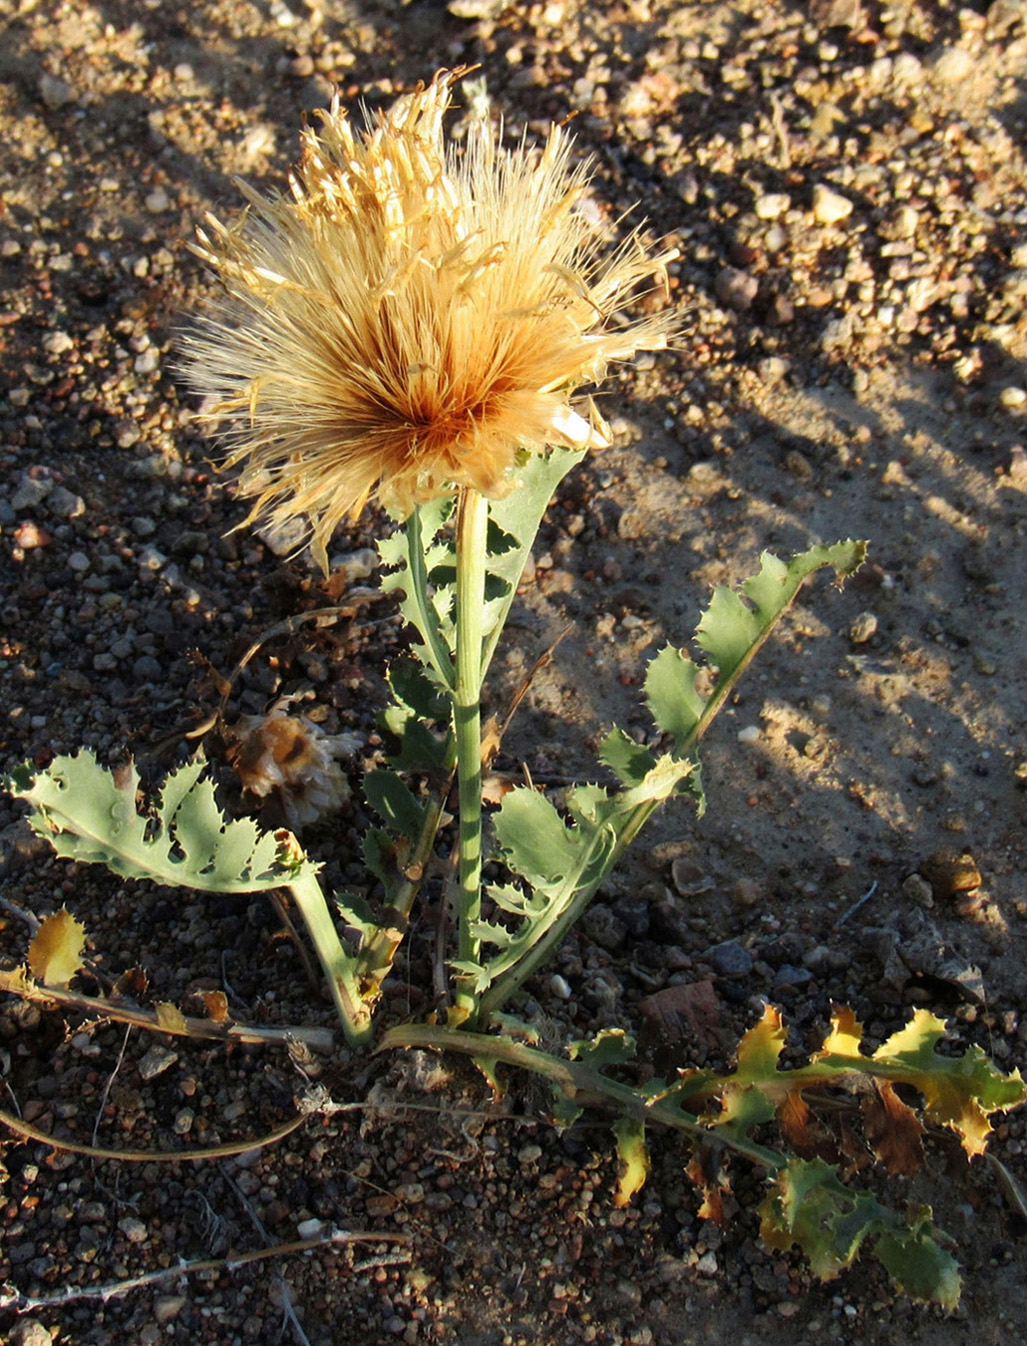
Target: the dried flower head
(289, 759)
(411, 317)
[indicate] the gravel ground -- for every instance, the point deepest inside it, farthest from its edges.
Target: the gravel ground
(846, 183)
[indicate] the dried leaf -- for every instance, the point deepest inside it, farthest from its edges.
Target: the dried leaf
(216, 1003)
(705, 1171)
(132, 983)
(15, 981)
(892, 1129)
(170, 1017)
(55, 954)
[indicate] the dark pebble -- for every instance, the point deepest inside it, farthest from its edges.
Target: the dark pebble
(634, 913)
(791, 978)
(603, 928)
(729, 959)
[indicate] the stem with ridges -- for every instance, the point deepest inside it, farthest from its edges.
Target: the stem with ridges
(471, 544)
(339, 966)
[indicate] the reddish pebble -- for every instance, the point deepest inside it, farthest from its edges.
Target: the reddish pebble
(29, 535)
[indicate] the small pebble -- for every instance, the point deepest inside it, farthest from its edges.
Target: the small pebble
(55, 93)
(830, 207)
(156, 1061)
(953, 66)
(861, 628)
(134, 1230)
(772, 205)
(729, 959)
(157, 201)
(31, 491)
(750, 734)
(736, 289)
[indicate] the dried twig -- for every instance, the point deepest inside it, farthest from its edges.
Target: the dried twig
(10, 1298)
(18, 984)
(231, 1147)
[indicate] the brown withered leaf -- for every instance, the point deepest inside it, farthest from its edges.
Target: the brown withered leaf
(793, 1117)
(216, 1003)
(495, 787)
(491, 739)
(132, 983)
(893, 1129)
(170, 1017)
(705, 1172)
(55, 954)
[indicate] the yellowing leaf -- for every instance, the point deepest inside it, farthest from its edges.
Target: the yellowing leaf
(845, 1036)
(634, 1158)
(170, 1017)
(55, 954)
(959, 1091)
(15, 981)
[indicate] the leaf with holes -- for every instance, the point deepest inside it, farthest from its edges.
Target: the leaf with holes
(89, 814)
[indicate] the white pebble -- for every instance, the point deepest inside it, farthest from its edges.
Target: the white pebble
(57, 343)
(1012, 397)
(309, 1229)
(829, 207)
(157, 201)
(772, 205)
(560, 986)
(953, 65)
(750, 734)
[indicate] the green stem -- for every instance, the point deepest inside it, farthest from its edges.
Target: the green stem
(374, 961)
(579, 1081)
(471, 541)
(339, 966)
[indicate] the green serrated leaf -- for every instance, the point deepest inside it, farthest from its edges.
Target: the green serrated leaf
(412, 687)
(959, 1092)
(629, 761)
(609, 1047)
(731, 630)
(564, 1112)
(515, 519)
(918, 1265)
(674, 703)
(89, 814)
(381, 858)
(811, 1208)
(534, 839)
(390, 797)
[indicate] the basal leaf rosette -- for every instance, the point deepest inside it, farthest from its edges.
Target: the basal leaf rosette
(411, 317)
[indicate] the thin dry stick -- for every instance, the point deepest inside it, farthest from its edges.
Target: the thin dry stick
(110, 1081)
(283, 1285)
(30, 1132)
(193, 1028)
(21, 1303)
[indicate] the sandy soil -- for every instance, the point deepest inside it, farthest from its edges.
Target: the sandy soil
(846, 183)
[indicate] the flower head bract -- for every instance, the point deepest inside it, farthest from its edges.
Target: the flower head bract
(411, 317)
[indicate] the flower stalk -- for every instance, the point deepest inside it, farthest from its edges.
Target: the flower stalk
(471, 543)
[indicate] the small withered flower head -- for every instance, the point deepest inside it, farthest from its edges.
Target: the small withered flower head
(410, 317)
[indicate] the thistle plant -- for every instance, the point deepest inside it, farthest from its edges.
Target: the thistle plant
(414, 323)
